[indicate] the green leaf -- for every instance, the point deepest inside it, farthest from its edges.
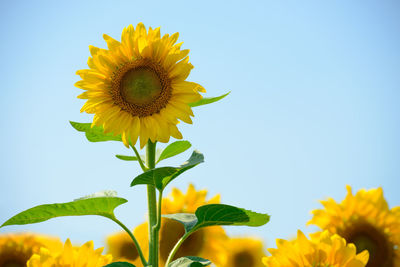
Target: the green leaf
(129, 158)
(219, 214)
(189, 261)
(120, 264)
(189, 220)
(98, 204)
(208, 100)
(174, 149)
(161, 177)
(95, 133)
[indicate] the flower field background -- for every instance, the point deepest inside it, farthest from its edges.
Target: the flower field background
(313, 108)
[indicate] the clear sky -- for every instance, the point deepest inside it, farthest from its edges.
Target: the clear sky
(314, 106)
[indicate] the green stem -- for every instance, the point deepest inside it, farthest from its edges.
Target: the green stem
(142, 258)
(158, 225)
(144, 168)
(176, 247)
(156, 229)
(152, 206)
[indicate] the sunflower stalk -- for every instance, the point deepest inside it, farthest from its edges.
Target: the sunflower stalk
(152, 206)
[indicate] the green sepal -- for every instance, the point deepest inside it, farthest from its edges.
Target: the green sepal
(174, 149)
(95, 133)
(189, 261)
(161, 177)
(208, 100)
(218, 214)
(120, 264)
(101, 204)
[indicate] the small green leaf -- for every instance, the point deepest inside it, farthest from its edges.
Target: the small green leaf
(208, 100)
(97, 205)
(120, 264)
(174, 149)
(189, 261)
(95, 133)
(218, 214)
(129, 158)
(161, 177)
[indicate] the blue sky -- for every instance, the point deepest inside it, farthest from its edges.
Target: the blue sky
(314, 106)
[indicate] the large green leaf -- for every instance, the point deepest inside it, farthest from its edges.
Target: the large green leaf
(189, 220)
(219, 214)
(95, 133)
(102, 205)
(161, 177)
(174, 149)
(120, 264)
(208, 100)
(189, 261)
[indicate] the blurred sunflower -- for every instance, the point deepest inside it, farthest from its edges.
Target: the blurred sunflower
(69, 256)
(365, 220)
(206, 242)
(122, 248)
(138, 88)
(179, 202)
(322, 250)
(242, 252)
(16, 249)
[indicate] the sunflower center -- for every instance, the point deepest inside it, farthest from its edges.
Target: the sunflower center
(141, 87)
(129, 251)
(14, 263)
(366, 237)
(192, 245)
(243, 259)
(171, 231)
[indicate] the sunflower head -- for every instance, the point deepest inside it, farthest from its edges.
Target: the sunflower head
(365, 220)
(137, 87)
(242, 252)
(324, 250)
(69, 256)
(16, 249)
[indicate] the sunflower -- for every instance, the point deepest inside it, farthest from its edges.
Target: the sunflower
(137, 87)
(16, 249)
(69, 256)
(179, 202)
(206, 242)
(122, 248)
(324, 250)
(365, 220)
(242, 252)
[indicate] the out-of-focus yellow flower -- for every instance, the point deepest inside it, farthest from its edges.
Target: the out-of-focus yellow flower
(84, 256)
(179, 202)
(242, 252)
(122, 248)
(365, 220)
(137, 87)
(206, 242)
(324, 250)
(16, 249)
